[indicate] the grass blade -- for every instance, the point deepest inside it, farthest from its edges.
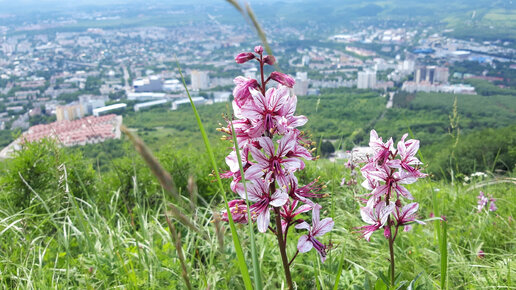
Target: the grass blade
(179, 249)
(164, 179)
(163, 176)
(339, 272)
(444, 254)
(238, 248)
(256, 264)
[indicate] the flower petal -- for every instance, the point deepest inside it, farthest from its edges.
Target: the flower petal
(323, 227)
(304, 245)
(263, 220)
(303, 226)
(279, 198)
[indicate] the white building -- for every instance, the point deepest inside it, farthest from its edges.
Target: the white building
(140, 106)
(196, 100)
(173, 85)
(109, 109)
(150, 84)
(145, 96)
(91, 102)
(200, 80)
(366, 80)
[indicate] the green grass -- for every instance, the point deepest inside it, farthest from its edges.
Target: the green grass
(86, 245)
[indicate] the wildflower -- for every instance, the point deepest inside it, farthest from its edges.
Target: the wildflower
(283, 79)
(258, 49)
(407, 151)
(385, 174)
(480, 254)
(482, 201)
(269, 59)
(238, 210)
(407, 215)
(258, 192)
(492, 205)
(290, 210)
(241, 91)
(244, 57)
(382, 151)
(376, 216)
(392, 181)
(303, 193)
(282, 168)
(318, 228)
(261, 114)
(264, 111)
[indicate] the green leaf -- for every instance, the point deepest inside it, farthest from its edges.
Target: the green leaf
(236, 241)
(384, 279)
(380, 284)
(413, 282)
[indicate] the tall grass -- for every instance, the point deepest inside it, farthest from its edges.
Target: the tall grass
(236, 241)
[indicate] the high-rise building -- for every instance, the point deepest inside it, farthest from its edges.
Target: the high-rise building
(431, 74)
(200, 80)
(91, 102)
(441, 75)
(70, 112)
(301, 85)
(366, 80)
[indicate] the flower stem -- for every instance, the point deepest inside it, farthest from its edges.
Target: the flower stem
(391, 250)
(283, 251)
(292, 260)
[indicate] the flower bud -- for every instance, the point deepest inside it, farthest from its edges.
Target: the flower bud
(258, 49)
(244, 57)
(387, 232)
(269, 59)
(241, 91)
(283, 79)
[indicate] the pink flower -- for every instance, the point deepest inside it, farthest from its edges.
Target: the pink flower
(492, 205)
(258, 49)
(392, 181)
(244, 57)
(382, 150)
(407, 215)
(290, 210)
(480, 254)
(269, 59)
(234, 169)
(265, 111)
(303, 193)
(407, 151)
(241, 91)
(318, 228)
(288, 121)
(482, 201)
(276, 163)
(238, 210)
(283, 79)
(258, 192)
(376, 216)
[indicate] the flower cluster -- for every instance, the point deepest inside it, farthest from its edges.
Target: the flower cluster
(483, 200)
(272, 150)
(386, 173)
(352, 165)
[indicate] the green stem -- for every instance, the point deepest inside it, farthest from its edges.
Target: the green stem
(391, 250)
(281, 244)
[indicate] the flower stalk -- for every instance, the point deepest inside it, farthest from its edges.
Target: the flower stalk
(386, 172)
(268, 150)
